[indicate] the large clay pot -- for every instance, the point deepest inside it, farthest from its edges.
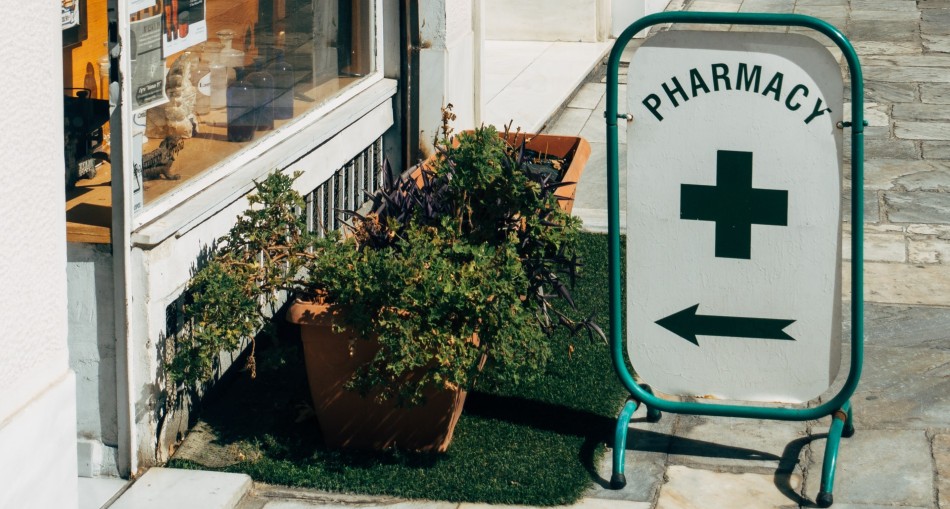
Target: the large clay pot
(574, 150)
(349, 420)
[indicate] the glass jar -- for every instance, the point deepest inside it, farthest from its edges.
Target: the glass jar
(283, 74)
(263, 84)
(201, 79)
(231, 57)
(242, 118)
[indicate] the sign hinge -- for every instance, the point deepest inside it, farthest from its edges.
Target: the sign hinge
(626, 116)
(842, 125)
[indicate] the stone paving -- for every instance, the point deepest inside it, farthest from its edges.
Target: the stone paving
(900, 455)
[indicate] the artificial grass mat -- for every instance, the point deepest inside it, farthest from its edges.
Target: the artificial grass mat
(534, 444)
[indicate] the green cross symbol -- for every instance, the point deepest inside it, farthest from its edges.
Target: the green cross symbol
(733, 204)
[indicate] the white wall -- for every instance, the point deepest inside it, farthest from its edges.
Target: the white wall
(546, 20)
(37, 391)
(447, 65)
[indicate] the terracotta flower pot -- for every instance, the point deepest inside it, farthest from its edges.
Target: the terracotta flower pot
(352, 421)
(574, 150)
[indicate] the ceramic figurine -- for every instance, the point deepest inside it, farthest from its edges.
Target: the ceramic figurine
(177, 116)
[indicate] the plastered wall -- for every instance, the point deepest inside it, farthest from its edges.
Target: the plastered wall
(37, 392)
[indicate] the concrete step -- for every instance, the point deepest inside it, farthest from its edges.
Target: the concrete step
(169, 488)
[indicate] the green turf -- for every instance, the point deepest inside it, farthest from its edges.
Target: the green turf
(533, 444)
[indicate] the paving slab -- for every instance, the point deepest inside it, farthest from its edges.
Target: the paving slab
(935, 93)
(938, 43)
(885, 15)
(928, 250)
(881, 30)
(877, 467)
(779, 6)
(935, 150)
(690, 488)
(588, 96)
(884, 5)
(888, 149)
(645, 461)
(933, 4)
(889, 370)
(822, 2)
(920, 402)
(823, 11)
(897, 283)
(162, 488)
(941, 452)
(922, 130)
(888, 325)
(739, 445)
(934, 28)
(94, 492)
(871, 48)
(922, 112)
(907, 74)
(569, 122)
(882, 247)
(917, 207)
(880, 174)
(936, 181)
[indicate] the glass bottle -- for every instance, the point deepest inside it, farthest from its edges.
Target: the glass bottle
(201, 79)
(232, 58)
(242, 120)
(218, 75)
(283, 74)
(263, 84)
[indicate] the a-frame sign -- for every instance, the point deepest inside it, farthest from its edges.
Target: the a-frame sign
(734, 223)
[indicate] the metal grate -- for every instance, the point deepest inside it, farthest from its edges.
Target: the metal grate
(347, 189)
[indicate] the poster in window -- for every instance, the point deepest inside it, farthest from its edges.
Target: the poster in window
(138, 5)
(184, 25)
(70, 13)
(148, 66)
(74, 22)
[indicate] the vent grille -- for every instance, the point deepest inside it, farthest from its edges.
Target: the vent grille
(348, 189)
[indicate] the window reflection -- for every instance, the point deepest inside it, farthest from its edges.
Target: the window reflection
(264, 63)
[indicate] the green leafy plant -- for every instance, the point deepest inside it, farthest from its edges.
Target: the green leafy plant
(453, 271)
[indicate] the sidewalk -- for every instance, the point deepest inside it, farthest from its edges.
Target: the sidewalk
(900, 454)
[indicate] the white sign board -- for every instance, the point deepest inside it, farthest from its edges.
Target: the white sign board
(733, 215)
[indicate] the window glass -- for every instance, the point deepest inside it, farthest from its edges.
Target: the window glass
(237, 70)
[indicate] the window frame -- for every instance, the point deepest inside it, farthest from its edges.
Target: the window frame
(216, 176)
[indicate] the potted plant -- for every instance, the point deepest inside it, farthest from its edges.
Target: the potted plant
(447, 279)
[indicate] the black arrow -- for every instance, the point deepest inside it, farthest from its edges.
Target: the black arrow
(687, 324)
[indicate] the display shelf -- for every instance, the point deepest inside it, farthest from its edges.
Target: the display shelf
(89, 209)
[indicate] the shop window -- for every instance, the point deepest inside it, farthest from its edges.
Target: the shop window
(208, 79)
(238, 70)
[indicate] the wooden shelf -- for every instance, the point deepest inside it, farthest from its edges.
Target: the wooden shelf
(89, 209)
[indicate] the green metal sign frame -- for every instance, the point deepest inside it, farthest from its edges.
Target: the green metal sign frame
(839, 406)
